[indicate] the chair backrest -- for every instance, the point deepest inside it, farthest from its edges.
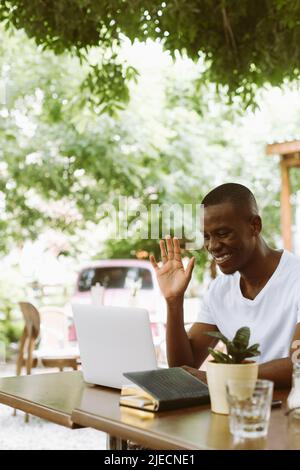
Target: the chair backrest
(50, 325)
(32, 319)
(29, 336)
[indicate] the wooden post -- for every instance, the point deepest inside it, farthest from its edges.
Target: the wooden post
(289, 158)
(286, 209)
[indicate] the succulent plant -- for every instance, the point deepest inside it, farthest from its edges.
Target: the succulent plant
(237, 350)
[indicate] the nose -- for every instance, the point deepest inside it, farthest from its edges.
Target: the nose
(213, 245)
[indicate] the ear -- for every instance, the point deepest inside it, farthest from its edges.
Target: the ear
(256, 225)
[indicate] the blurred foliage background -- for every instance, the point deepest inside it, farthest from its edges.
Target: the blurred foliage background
(244, 44)
(89, 113)
(61, 157)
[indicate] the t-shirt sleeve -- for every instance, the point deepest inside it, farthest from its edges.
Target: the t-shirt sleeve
(205, 314)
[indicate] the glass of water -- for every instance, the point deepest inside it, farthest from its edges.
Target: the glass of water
(249, 407)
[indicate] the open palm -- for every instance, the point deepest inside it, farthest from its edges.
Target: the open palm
(173, 279)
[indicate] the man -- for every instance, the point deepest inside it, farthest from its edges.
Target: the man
(260, 288)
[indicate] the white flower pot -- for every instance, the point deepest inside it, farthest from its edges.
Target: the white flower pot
(217, 376)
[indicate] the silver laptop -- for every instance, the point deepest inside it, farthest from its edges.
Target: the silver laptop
(113, 340)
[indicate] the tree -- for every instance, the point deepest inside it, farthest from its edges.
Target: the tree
(61, 158)
(242, 45)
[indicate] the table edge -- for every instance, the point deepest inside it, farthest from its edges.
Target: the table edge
(41, 411)
(143, 437)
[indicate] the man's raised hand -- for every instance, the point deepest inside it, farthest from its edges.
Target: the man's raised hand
(173, 279)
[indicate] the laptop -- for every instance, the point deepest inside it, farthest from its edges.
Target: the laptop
(113, 340)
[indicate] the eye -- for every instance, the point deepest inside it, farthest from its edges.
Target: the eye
(223, 233)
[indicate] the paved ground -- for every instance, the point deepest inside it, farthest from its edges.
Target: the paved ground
(40, 434)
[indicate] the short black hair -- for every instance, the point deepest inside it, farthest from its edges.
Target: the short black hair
(237, 194)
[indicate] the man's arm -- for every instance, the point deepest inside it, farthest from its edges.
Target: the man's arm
(173, 279)
(190, 349)
(280, 370)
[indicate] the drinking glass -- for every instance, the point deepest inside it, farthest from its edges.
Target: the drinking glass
(249, 407)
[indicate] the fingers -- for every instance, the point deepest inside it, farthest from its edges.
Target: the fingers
(153, 262)
(173, 249)
(164, 256)
(177, 252)
(190, 267)
(170, 247)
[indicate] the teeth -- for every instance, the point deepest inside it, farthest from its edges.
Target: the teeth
(219, 259)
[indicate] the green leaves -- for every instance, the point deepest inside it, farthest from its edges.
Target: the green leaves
(105, 86)
(253, 351)
(222, 32)
(241, 339)
(218, 335)
(237, 349)
(220, 357)
(62, 155)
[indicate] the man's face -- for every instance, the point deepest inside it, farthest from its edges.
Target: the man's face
(229, 236)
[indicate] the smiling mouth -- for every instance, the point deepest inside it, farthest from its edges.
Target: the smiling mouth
(222, 259)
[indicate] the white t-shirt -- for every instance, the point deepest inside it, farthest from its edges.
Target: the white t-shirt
(272, 316)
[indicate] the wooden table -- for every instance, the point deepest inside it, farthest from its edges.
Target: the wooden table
(49, 396)
(195, 428)
(64, 398)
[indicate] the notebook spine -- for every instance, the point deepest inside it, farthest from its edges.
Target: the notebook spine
(164, 405)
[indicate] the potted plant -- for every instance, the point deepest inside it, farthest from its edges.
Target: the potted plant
(232, 365)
